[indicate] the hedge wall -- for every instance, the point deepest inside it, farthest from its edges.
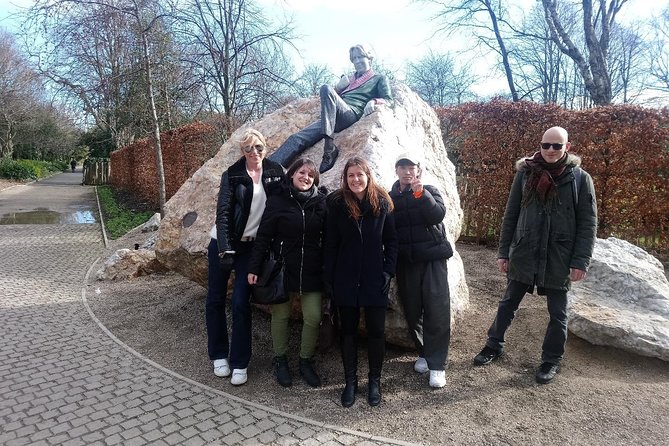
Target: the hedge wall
(185, 150)
(624, 148)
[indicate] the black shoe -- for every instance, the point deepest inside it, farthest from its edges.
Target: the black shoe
(487, 355)
(546, 372)
(329, 158)
(308, 373)
(282, 371)
(350, 389)
(374, 391)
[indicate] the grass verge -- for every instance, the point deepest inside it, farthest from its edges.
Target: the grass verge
(118, 218)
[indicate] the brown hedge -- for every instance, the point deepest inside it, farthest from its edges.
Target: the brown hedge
(184, 150)
(625, 149)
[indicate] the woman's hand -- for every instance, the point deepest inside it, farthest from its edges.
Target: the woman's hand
(252, 278)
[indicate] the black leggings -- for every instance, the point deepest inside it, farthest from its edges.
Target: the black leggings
(375, 321)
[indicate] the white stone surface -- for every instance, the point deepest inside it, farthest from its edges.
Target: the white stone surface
(409, 126)
(624, 300)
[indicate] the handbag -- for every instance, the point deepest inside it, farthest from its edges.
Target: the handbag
(269, 288)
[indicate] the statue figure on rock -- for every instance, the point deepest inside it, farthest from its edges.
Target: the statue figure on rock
(354, 95)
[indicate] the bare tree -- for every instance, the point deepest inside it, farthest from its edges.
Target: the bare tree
(484, 18)
(311, 79)
(659, 53)
(598, 20)
(437, 80)
(19, 89)
(237, 55)
(627, 63)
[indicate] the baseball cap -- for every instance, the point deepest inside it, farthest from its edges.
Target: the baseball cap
(407, 158)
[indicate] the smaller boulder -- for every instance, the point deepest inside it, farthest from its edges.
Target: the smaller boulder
(153, 224)
(130, 263)
(624, 300)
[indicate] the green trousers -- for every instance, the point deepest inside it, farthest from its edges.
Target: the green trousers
(311, 320)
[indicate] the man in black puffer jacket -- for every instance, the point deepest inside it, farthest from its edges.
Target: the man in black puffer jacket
(422, 275)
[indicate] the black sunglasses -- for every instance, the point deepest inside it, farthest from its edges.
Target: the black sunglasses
(554, 145)
(258, 148)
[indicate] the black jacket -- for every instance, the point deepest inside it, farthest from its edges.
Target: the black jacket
(419, 224)
(234, 199)
(357, 253)
(296, 232)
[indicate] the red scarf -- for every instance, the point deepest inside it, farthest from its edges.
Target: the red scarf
(355, 83)
(540, 185)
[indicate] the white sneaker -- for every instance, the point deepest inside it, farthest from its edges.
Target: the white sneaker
(421, 365)
(239, 377)
(221, 368)
(437, 378)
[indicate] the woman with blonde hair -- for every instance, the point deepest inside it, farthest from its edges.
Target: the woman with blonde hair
(244, 188)
(360, 254)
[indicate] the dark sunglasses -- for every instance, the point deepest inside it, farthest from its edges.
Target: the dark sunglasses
(554, 145)
(258, 148)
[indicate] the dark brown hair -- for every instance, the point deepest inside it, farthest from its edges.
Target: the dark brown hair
(298, 163)
(374, 193)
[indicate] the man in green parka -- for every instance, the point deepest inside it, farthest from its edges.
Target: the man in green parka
(548, 234)
(354, 95)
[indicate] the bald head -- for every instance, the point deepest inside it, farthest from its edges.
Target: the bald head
(555, 134)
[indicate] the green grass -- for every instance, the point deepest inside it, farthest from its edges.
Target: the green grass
(118, 219)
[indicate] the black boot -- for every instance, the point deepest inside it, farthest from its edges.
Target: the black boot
(349, 354)
(374, 390)
(330, 154)
(375, 354)
(308, 373)
(350, 389)
(282, 371)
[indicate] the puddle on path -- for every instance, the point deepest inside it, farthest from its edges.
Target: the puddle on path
(47, 217)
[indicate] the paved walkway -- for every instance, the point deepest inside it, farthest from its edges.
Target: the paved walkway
(64, 380)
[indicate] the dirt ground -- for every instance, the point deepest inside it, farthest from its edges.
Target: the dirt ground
(5, 183)
(603, 396)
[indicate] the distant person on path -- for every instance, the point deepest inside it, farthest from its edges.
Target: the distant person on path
(73, 164)
(293, 226)
(360, 257)
(354, 95)
(548, 234)
(245, 186)
(422, 274)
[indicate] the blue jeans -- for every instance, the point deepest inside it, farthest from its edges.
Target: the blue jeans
(239, 349)
(217, 325)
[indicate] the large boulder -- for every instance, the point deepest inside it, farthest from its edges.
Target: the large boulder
(130, 263)
(624, 301)
(409, 125)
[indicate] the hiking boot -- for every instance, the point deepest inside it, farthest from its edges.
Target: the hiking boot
(282, 371)
(308, 373)
(547, 372)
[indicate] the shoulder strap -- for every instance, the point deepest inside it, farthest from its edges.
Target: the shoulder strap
(576, 184)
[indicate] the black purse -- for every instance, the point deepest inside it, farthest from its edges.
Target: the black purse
(270, 289)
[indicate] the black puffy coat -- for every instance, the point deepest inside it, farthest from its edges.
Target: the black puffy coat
(296, 232)
(234, 199)
(419, 225)
(357, 253)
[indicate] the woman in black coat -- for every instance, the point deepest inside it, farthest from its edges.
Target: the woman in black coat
(293, 226)
(244, 189)
(360, 255)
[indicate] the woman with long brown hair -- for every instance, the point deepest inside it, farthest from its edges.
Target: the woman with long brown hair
(360, 255)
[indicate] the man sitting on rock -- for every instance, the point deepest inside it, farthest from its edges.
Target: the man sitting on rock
(353, 96)
(548, 234)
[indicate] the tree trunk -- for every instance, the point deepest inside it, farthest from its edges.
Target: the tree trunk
(156, 125)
